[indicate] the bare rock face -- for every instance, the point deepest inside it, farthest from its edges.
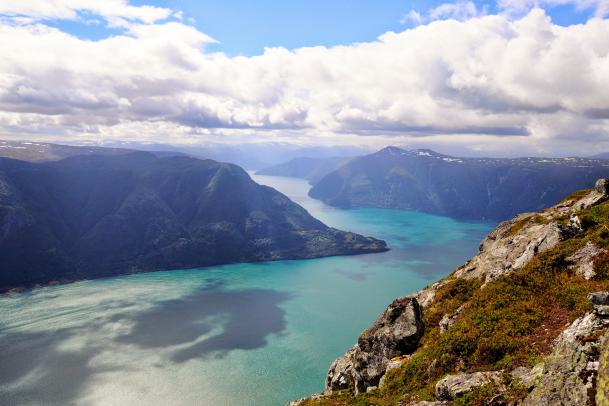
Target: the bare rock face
(342, 373)
(583, 259)
(505, 250)
(454, 386)
(395, 333)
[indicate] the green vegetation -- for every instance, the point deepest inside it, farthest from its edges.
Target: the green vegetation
(511, 322)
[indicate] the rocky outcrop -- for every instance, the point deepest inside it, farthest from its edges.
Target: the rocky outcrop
(583, 259)
(514, 243)
(602, 384)
(510, 246)
(598, 194)
(395, 333)
(570, 372)
(526, 377)
(454, 386)
(449, 319)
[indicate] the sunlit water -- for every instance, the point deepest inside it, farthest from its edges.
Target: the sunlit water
(246, 334)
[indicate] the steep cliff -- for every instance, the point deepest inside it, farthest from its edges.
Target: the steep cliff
(526, 321)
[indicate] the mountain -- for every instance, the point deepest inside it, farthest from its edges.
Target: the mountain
(43, 151)
(100, 215)
(524, 322)
(468, 188)
(604, 155)
(311, 169)
(253, 155)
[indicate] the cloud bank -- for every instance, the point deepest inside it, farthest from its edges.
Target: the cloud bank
(483, 79)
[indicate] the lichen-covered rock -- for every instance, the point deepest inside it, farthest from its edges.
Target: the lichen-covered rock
(600, 301)
(509, 247)
(449, 319)
(602, 382)
(454, 386)
(527, 376)
(583, 259)
(342, 373)
(395, 333)
(598, 194)
(570, 370)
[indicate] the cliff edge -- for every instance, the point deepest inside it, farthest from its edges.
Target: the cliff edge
(524, 322)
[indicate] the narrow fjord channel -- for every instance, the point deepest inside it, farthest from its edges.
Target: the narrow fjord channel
(243, 334)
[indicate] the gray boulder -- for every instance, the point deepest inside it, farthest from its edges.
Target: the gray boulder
(583, 259)
(570, 371)
(454, 386)
(394, 334)
(600, 301)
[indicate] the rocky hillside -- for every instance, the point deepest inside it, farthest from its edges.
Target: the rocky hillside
(93, 216)
(524, 322)
(466, 188)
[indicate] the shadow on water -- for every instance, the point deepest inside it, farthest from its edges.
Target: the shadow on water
(245, 317)
(35, 369)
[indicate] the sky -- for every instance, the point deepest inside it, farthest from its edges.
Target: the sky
(505, 77)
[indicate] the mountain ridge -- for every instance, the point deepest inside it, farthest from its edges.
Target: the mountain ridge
(94, 216)
(469, 188)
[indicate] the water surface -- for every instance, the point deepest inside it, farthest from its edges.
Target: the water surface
(244, 334)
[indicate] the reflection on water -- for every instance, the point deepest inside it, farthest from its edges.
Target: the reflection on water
(243, 334)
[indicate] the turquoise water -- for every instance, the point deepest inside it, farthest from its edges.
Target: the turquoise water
(245, 334)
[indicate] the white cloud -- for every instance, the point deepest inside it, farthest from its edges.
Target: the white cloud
(70, 9)
(516, 7)
(460, 10)
(480, 81)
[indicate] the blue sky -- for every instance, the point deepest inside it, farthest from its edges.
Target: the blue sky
(244, 27)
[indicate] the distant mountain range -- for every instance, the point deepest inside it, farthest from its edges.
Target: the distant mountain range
(122, 212)
(44, 151)
(469, 188)
(254, 156)
(311, 169)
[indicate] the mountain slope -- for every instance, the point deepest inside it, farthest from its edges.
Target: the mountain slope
(311, 169)
(93, 216)
(470, 188)
(526, 321)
